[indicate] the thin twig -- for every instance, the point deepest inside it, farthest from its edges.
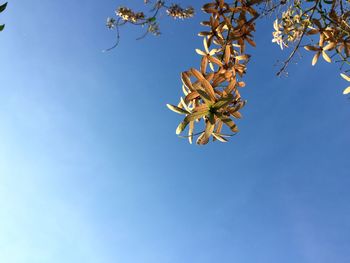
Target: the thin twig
(299, 42)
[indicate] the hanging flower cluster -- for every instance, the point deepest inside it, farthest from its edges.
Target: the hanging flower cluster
(177, 11)
(324, 27)
(126, 15)
(212, 94)
(290, 27)
(333, 36)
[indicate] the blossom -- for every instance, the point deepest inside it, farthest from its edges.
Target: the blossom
(278, 35)
(178, 12)
(128, 15)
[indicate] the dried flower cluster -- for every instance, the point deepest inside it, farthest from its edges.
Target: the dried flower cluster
(322, 26)
(290, 27)
(212, 94)
(177, 11)
(126, 15)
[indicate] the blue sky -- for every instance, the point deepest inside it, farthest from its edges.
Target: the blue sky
(91, 169)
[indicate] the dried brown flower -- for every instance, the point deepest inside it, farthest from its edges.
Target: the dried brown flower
(177, 11)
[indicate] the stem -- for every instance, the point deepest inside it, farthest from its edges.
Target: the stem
(299, 42)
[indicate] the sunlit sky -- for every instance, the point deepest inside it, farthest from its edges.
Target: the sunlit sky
(91, 169)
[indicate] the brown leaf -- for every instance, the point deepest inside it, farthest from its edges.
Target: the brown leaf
(191, 96)
(227, 54)
(204, 33)
(177, 109)
(196, 115)
(228, 122)
(197, 74)
(311, 48)
(218, 79)
(242, 57)
(204, 96)
(215, 60)
(347, 78)
(219, 137)
(236, 114)
(204, 64)
(241, 84)
(208, 88)
(190, 132)
(223, 102)
(200, 52)
(330, 46)
(326, 57)
(200, 108)
(219, 126)
(313, 31)
(204, 137)
(251, 42)
(315, 58)
(186, 81)
(181, 126)
(346, 91)
(231, 86)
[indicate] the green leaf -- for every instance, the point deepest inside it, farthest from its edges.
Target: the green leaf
(196, 115)
(228, 122)
(224, 101)
(204, 96)
(211, 118)
(3, 7)
(2, 27)
(152, 19)
(193, 116)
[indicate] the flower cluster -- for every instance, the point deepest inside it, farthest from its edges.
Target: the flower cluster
(331, 32)
(323, 25)
(290, 27)
(331, 37)
(212, 95)
(153, 28)
(177, 11)
(128, 15)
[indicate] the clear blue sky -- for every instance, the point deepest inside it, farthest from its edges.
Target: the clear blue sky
(91, 170)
